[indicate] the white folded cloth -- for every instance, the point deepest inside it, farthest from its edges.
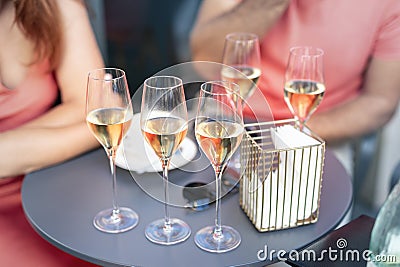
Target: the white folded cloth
(290, 192)
(135, 153)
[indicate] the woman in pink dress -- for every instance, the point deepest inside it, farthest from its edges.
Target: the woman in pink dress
(47, 48)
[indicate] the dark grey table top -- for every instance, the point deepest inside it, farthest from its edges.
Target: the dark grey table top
(354, 236)
(60, 203)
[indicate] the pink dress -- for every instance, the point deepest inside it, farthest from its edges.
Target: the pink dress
(349, 32)
(20, 245)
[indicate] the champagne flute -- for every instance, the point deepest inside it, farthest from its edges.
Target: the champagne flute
(241, 59)
(242, 53)
(164, 126)
(219, 130)
(304, 82)
(109, 115)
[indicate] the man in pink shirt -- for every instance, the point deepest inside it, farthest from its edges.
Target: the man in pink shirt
(361, 43)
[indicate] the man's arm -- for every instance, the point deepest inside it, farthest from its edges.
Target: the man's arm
(218, 18)
(372, 109)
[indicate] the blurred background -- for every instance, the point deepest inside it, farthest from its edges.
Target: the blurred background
(145, 36)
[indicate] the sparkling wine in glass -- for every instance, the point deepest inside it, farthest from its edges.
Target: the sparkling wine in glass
(304, 82)
(164, 124)
(109, 115)
(241, 59)
(219, 130)
(242, 53)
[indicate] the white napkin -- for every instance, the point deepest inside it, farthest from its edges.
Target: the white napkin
(294, 194)
(135, 153)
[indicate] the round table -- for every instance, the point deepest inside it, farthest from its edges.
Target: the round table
(60, 203)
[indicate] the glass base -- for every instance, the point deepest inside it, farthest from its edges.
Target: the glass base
(206, 240)
(157, 233)
(123, 221)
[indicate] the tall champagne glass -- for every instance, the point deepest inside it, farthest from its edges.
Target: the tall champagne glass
(109, 115)
(304, 82)
(242, 65)
(242, 52)
(164, 126)
(219, 130)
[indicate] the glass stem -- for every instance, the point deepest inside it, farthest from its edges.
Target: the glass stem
(111, 157)
(301, 126)
(165, 166)
(218, 225)
(300, 123)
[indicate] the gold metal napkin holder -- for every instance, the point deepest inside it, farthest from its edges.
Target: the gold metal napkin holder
(280, 187)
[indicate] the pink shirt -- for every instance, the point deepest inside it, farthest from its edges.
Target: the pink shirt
(35, 95)
(349, 32)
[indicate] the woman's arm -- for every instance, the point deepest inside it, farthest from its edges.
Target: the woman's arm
(218, 18)
(60, 133)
